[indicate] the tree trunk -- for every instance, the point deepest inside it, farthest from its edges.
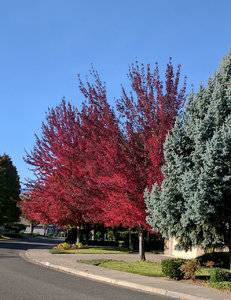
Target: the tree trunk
(130, 246)
(103, 234)
(148, 241)
(31, 228)
(87, 230)
(115, 234)
(93, 234)
(45, 230)
(229, 247)
(141, 245)
(71, 235)
(78, 234)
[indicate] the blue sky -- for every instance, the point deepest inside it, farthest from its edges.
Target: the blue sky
(45, 43)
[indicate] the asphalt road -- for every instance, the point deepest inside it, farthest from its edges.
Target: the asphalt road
(21, 280)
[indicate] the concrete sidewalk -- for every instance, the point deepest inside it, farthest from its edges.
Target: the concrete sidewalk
(156, 285)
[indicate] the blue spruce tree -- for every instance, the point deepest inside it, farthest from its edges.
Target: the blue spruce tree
(194, 202)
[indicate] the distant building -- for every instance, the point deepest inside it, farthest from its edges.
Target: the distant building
(40, 229)
(171, 250)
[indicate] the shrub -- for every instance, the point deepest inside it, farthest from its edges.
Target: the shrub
(80, 246)
(219, 275)
(63, 246)
(189, 268)
(172, 268)
(220, 259)
(210, 264)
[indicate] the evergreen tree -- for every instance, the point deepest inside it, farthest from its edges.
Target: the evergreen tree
(193, 203)
(9, 191)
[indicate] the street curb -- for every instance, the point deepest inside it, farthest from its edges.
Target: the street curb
(123, 283)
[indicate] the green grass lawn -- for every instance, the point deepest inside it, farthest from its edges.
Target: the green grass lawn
(90, 250)
(224, 285)
(206, 271)
(146, 268)
(203, 272)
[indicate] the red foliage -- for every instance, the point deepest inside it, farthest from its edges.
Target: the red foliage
(105, 157)
(149, 113)
(88, 169)
(59, 164)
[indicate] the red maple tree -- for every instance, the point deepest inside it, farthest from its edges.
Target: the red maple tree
(148, 114)
(108, 169)
(89, 168)
(59, 164)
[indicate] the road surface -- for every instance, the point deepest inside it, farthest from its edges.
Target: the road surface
(21, 280)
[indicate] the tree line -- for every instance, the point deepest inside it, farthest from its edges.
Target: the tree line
(151, 162)
(92, 165)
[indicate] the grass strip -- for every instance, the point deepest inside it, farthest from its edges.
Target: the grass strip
(223, 285)
(91, 250)
(146, 268)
